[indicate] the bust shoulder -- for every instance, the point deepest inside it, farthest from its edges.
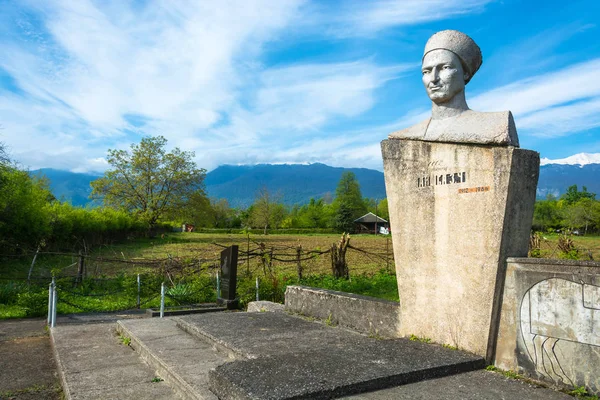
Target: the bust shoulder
(490, 128)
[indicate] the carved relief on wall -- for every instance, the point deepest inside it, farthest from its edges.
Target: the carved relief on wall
(560, 328)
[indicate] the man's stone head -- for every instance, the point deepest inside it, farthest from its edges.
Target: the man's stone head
(450, 60)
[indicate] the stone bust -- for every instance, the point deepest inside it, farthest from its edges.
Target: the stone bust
(450, 60)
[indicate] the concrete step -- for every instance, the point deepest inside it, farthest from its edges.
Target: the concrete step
(93, 363)
(180, 359)
(286, 357)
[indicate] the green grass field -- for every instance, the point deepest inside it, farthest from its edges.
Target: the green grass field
(188, 262)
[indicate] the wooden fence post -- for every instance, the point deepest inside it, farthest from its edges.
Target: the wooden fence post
(339, 266)
(299, 262)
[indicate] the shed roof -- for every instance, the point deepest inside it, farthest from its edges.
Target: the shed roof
(369, 217)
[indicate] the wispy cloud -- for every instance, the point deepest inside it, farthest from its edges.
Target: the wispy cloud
(542, 102)
(87, 66)
(563, 120)
(247, 81)
(355, 18)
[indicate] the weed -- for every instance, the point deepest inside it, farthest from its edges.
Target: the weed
(449, 346)
(581, 393)
(508, 374)
(375, 335)
(415, 338)
(30, 390)
(157, 379)
(329, 321)
(308, 318)
(125, 340)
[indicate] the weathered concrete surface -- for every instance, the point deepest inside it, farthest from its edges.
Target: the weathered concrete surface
(180, 359)
(365, 314)
(94, 364)
(265, 306)
(550, 321)
(288, 357)
(457, 212)
(475, 385)
(27, 366)
(174, 311)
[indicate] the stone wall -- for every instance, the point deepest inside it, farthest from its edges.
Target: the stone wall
(550, 321)
(457, 211)
(362, 313)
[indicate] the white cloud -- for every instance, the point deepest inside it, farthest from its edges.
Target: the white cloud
(178, 65)
(360, 18)
(575, 82)
(305, 97)
(554, 104)
(562, 120)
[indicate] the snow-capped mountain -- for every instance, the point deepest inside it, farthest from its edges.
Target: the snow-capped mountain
(580, 159)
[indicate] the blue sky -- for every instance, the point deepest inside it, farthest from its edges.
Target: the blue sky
(276, 81)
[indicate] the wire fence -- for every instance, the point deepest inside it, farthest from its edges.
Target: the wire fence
(111, 280)
(561, 247)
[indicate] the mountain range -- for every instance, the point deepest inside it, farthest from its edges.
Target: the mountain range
(297, 183)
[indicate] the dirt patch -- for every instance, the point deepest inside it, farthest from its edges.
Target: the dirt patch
(26, 361)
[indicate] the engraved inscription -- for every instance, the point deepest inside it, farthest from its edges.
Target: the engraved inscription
(442, 179)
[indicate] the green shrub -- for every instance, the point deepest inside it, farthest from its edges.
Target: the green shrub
(9, 292)
(34, 302)
(182, 293)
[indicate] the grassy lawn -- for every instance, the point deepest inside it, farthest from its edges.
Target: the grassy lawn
(586, 245)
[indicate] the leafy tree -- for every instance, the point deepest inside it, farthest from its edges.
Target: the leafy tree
(343, 220)
(4, 160)
(348, 204)
(197, 210)
(149, 181)
(222, 215)
(580, 214)
(383, 210)
(547, 214)
(313, 215)
(379, 208)
(266, 211)
(573, 195)
(25, 219)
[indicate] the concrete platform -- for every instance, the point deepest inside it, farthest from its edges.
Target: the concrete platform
(180, 359)
(289, 357)
(234, 355)
(94, 364)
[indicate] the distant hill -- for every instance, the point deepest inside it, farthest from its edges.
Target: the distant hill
(68, 186)
(296, 183)
(556, 178)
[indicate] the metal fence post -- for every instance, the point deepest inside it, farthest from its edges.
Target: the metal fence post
(218, 285)
(162, 300)
(257, 288)
(138, 293)
(50, 289)
(54, 299)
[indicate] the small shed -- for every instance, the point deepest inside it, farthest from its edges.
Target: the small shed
(370, 223)
(187, 228)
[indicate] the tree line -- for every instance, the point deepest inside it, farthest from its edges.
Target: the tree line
(575, 211)
(148, 189)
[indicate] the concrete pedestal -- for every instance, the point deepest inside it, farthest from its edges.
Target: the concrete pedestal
(457, 212)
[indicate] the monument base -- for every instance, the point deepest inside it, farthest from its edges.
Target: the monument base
(457, 211)
(229, 304)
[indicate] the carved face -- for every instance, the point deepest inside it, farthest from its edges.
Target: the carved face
(443, 75)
